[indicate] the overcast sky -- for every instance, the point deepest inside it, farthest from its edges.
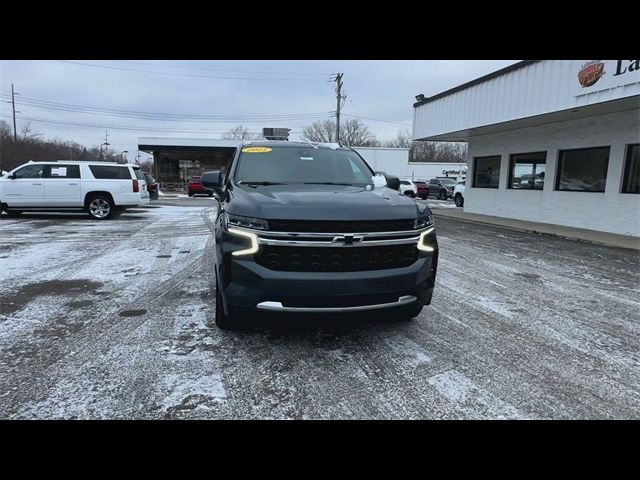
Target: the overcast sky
(146, 98)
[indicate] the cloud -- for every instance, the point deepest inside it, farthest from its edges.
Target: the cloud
(381, 89)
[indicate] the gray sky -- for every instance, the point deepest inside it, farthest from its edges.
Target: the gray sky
(151, 95)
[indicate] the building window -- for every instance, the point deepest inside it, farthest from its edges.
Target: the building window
(631, 183)
(527, 170)
(486, 172)
(583, 170)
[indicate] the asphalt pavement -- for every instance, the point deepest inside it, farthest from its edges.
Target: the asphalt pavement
(111, 320)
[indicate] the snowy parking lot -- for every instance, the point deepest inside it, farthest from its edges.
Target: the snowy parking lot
(110, 320)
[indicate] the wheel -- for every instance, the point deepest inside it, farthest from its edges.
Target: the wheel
(459, 200)
(443, 195)
(190, 194)
(100, 207)
(223, 321)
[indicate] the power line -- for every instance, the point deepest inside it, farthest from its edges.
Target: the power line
(377, 119)
(185, 67)
(120, 127)
(49, 105)
(184, 74)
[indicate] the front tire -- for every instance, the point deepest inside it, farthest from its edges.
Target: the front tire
(443, 195)
(408, 313)
(459, 201)
(223, 321)
(100, 207)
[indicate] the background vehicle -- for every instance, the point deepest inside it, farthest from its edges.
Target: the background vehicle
(102, 189)
(408, 188)
(441, 188)
(422, 189)
(458, 194)
(152, 186)
(194, 187)
(302, 228)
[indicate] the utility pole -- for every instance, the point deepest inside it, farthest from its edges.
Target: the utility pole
(339, 98)
(13, 104)
(105, 145)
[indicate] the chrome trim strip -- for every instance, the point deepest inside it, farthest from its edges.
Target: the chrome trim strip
(268, 233)
(278, 307)
(330, 244)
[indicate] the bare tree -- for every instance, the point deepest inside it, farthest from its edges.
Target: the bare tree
(323, 131)
(401, 140)
(240, 132)
(352, 132)
(446, 152)
(27, 133)
(356, 134)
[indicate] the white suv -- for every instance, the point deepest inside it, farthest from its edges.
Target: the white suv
(102, 189)
(458, 194)
(408, 188)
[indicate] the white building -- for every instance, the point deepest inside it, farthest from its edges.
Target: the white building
(395, 161)
(551, 141)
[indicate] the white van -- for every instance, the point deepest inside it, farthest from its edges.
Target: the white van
(102, 189)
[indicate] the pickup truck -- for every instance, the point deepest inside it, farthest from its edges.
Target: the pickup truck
(310, 228)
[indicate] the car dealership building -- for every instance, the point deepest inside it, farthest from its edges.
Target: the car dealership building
(549, 141)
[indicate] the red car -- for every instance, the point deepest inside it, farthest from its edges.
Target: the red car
(194, 187)
(423, 189)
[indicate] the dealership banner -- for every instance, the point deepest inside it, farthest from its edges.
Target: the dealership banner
(596, 75)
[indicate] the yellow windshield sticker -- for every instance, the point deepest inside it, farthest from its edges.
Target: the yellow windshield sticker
(256, 149)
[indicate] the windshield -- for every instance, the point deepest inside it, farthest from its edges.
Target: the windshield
(266, 165)
(448, 181)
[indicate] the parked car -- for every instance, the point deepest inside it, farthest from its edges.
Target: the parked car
(408, 188)
(300, 229)
(194, 187)
(441, 188)
(422, 189)
(102, 189)
(458, 194)
(152, 186)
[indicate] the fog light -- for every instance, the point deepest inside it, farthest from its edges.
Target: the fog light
(251, 236)
(421, 241)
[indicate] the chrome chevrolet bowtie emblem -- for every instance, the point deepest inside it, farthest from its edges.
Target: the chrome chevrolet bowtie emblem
(347, 239)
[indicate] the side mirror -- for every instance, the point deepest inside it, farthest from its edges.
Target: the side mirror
(212, 181)
(393, 182)
(379, 181)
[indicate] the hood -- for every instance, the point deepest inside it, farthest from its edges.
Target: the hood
(320, 202)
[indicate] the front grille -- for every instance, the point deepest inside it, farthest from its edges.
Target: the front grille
(336, 259)
(338, 226)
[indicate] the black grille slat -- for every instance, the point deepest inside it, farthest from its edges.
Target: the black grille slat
(337, 226)
(336, 259)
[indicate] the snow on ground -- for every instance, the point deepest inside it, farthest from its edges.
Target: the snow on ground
(113, 320)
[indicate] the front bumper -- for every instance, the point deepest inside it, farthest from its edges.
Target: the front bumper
(246, 284)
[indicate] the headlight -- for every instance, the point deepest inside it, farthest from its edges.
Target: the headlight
(423, 221)
(251, 236)
(246, 222)
(422, 241)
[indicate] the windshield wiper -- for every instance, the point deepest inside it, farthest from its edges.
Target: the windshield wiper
(331, 183)
(254, 184)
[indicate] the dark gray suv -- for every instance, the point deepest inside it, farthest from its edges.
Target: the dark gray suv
(308, 228)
